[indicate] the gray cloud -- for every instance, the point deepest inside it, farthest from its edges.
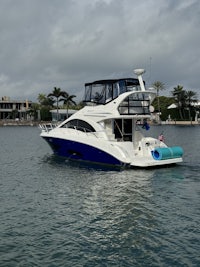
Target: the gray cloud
(66, 43)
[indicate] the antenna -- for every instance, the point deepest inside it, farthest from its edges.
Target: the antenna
(139, 73)
(150, 69)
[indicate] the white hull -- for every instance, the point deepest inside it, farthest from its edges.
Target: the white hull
(106, 131)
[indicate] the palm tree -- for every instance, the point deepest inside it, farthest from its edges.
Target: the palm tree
(158, 86)
(45, 101)
(57, 93)
(180, 97)
(41, 98)
(68, 100)
(191, 97)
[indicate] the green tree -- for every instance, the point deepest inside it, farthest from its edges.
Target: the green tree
(45, 101)
(41, 98)
(57, 94)
(45, 105)
(33, 112)
(190, 97)
(68, 100)
(180, 98)
(165, 102)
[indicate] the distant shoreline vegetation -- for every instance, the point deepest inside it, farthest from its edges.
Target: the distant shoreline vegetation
(186, 106)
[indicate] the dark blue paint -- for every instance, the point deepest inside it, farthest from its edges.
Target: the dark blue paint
(82, 152)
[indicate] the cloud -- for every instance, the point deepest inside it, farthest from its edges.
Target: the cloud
(66, 43)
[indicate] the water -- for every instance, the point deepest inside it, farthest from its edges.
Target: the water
(56, 214)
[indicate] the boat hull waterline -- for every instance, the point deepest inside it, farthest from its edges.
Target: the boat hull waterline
(76, 151)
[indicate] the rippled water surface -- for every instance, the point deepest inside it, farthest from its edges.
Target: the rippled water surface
(56, 214)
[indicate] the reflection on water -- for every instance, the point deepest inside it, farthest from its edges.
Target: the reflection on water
(59, 214)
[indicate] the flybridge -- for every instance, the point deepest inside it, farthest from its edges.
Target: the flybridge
(104, 91)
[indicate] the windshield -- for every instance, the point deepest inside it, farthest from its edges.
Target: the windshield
(102, 92)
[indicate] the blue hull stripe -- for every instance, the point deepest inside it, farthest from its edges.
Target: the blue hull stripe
(81, 152)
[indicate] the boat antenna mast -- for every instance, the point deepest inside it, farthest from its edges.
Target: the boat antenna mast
(139, 73)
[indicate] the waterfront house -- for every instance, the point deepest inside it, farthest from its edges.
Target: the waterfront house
(14, 109)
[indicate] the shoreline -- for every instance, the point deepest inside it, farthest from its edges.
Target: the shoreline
(177, 123)
(19, 123)
(4, 123)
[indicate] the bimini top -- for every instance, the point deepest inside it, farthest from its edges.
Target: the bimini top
(104, 91)
(132, 81)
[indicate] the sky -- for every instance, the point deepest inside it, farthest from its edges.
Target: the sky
(67, 43)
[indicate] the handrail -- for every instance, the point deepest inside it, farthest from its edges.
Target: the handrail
(47, 127)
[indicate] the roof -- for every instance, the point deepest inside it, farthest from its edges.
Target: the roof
(111, 81)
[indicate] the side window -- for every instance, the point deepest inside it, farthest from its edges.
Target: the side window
(115, 90)
(109, 92)
(122, 87)
(79, 125)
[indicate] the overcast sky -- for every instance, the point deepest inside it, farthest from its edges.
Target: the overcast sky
(66, 43)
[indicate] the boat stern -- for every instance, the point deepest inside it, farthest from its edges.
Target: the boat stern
(152, 152)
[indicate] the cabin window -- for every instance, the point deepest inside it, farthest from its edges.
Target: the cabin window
(123, 129)
(79, 125)
(135, 104)
(98, 93)
(109, 92)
